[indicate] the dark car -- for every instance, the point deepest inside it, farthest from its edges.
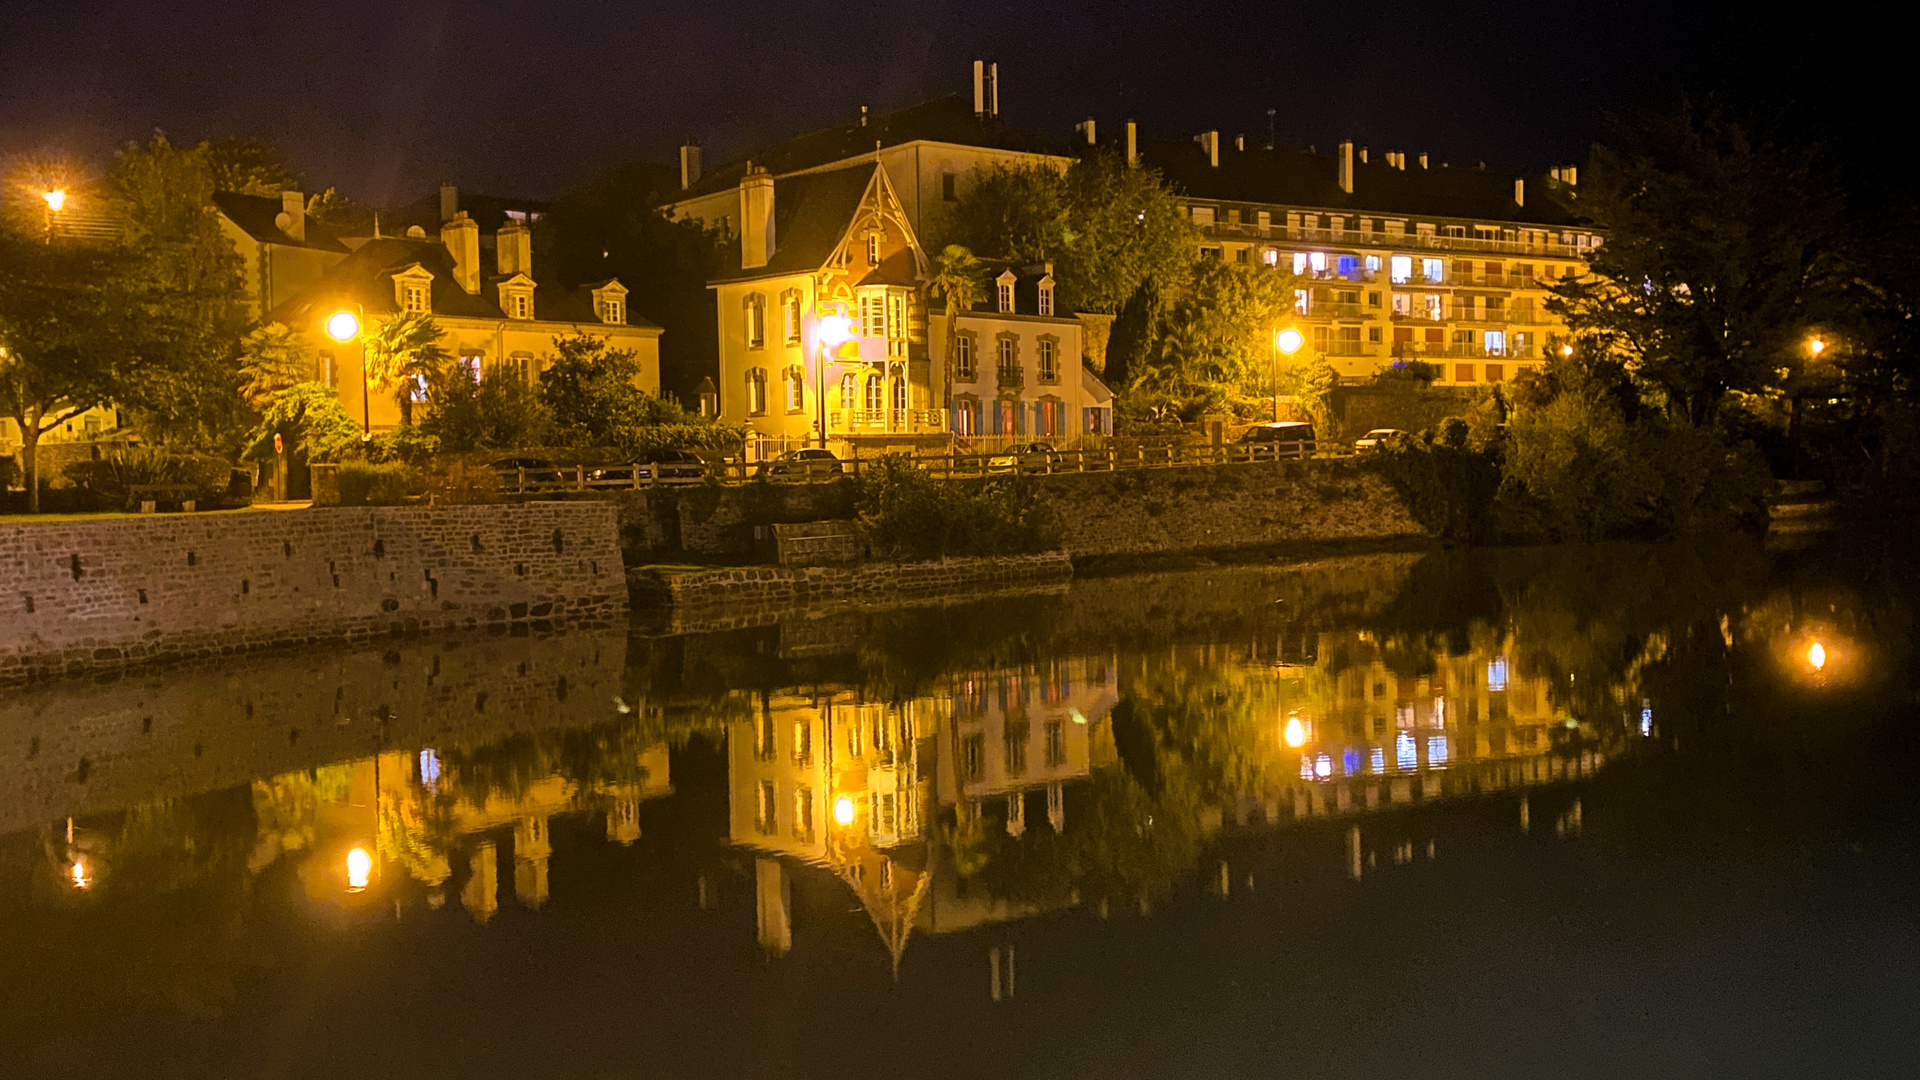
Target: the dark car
(1287, 438)
(802, 464)
(532, 470)
(673, 465)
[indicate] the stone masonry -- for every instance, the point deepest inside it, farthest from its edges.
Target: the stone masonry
(811, 584)
(105, 593)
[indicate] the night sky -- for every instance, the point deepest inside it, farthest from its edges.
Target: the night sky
(387, 99)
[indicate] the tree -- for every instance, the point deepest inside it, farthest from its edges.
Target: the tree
(1721, 254)
(272, 358)
(404, 357)
(304, 413)
(1215, 340)
(339, 213)
(250, 167)
(472, 413)
(960, 280)
(589, 390)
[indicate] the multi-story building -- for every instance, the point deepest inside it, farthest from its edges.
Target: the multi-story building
(1396, 261)
(502, 325)
(1020, 367)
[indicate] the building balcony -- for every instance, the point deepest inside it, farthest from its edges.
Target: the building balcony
(1011, 377)
(887, 421)
(1355, 238)
(1335, 311)
(1420, 350)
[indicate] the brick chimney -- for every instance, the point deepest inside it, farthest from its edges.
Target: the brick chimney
(462, 237)
(513, 249)
(1133, 143)
(449, 201)
(293, 207)
(756, 218)
(689, 164)
(1520, 190)
(1346, 166)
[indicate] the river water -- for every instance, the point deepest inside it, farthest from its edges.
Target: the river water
(1576, 811)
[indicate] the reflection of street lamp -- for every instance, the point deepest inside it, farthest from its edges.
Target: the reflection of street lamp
(1815, 347)
(1817, 656)
(843, 810)
(359, 869)
(831, 331)
(1286, 342)
(78, 871)
(1296, 733)
(56, 201)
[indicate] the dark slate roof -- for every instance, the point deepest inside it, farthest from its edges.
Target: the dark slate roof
(487, 211)
(810, 215)
(1294, 176)
(365, 278)
(948, 119)
(256, 216)
(1026, 289)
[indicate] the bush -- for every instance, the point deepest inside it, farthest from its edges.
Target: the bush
(465, 482)
(493, 413)
(408, 444)
(389, 483)
(907, 514)
(1449, 485)
(109, 483)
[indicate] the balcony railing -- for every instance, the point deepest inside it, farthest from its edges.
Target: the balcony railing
(1011, 377)
(1358, 239)
(888, 421)
(1420, 350)
(1335, 311)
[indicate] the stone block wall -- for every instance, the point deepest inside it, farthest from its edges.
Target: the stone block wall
(764, 585)
(104, 593)
(1222, 507)
(665, 524)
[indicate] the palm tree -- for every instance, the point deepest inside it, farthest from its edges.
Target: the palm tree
(960, 279)
(405, 356)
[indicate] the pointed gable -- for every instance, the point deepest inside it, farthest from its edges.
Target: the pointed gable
(822, 220)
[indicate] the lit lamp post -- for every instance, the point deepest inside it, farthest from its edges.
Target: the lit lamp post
(343, 326)
(1285, 343)
(56, 201)
(1815, 347)
(829, 333)
(1566, 349)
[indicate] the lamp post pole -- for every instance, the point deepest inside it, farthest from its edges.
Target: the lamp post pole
(56, 201)
(1287, 341)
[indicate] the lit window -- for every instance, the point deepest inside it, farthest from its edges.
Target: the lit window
(1402, 269)
(1270, 257)
(1437, 751)
(1433, 269)
(1046, 299)
(963, 358)
(1318, 261)
(1300, 301)
(1497, 673)
(1406, 754)
(415, 298)
(756, 313)
(1299, 262)
(1047, 372)
(1373, 264)
(1496, 342)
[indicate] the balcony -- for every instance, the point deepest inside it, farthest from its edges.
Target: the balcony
(1420, 350)
(887, 421)
(1011, 377)
(1335, 311)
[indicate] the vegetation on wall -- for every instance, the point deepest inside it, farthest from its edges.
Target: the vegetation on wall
(907, 514)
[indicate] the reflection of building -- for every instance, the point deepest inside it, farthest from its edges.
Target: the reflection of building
(1019, 730)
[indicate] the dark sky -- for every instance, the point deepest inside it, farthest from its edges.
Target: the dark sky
(386, 99)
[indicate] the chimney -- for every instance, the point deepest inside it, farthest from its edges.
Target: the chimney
(293, 207)
(1085, 127)
(1346, 166)
(863, 116)
(1520, 190)
(756, 218)
(1423, 161)
(1363, 155)
(513, 249)
(979, 88)
(993, 89)
(449, 201)
(462, 237)
(1210, 142)
(1571, 175)
(1240, 143)
(689, 164)
(1133, 144)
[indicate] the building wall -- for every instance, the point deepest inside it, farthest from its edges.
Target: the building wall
(1017, 402)
(774, 357)
(104, 593)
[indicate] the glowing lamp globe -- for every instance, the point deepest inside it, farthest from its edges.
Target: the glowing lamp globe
(843, 811)
(835, 330)
(342, 326)
(1288, 341)
(56, 199)
(359, 869)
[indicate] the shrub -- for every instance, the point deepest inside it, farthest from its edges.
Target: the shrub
(1448, 483)
(109, 483)
(493, 413)
(907, 514)
(388, 483)
(464, 482)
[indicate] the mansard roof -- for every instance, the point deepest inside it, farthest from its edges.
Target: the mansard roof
(257, 216)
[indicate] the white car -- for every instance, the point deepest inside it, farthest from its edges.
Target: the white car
(1375, 439)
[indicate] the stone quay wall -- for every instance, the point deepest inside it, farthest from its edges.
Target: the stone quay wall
(111, 592)
(768, 585)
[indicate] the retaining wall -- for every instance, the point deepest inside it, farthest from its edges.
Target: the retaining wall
(105, 593)
(770, 585)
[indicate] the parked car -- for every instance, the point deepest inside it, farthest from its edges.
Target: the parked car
(673, 465)
(1027, 457)
(802, 463)
(1289, 438)
(1375, 439)
(537, 470)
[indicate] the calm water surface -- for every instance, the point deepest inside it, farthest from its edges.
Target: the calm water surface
(1618, 811)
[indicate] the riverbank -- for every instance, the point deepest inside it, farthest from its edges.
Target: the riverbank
(698, 588)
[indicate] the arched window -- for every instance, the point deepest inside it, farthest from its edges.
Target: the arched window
(876, 393)
(796, 390)
(846, 391)
(757, 391)
(756, 312)
(900, 395)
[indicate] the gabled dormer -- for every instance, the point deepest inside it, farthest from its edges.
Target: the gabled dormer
(610, 302)
(413, 289)
(1044, 296)
(1004, 290)
(516, 296)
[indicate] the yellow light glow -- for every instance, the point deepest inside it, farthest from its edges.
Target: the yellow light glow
(1288, 341)
(1816, 346)
(342, 326)
(81, 878)
(835, 330)
(359, 869)
(1817, 656)
(1296, 732)
(55, 199)
(1566, 350)
(843, 810)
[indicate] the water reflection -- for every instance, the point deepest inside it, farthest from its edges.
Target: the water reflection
(945, 774)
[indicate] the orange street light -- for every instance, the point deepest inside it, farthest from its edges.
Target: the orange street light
(1815, 347)
(343, 326)
(1288, 341)
(1566, 349)
(830, 332)
(56, 199)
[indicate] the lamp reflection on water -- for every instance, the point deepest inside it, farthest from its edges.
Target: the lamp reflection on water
(843, 810)
(1817, 656)
(359, 869)
(81, 877)
(1296, 732)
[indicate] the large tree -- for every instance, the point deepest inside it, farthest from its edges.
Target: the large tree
(1720, 257)
(960, 280)
(405, 358)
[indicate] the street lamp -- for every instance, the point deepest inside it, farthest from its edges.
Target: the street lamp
(1566, 349)
(56, 201)
(830, 332)
(1815, 347)
(1286, 342)
(343, 326)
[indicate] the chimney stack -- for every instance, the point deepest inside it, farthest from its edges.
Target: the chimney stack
(449, 201)
(756, 218)
(1346, 166)
(1423, 161)
(979, 88)
(1363, 155)
(461, 234)
(1240, 143)
(689, 164)
(1210, 142)
(513, 249)
(1133, 144)
(293, 207)
(993, 89)
(863, 116)
(1085, 127)
(1520, 190)
(1571, 175)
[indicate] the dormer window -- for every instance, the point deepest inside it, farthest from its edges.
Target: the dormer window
(519, 304)
(613, 311)
(1046, 296)
(413, 298)
(413, 290)
(873, 249)
(1006, 293)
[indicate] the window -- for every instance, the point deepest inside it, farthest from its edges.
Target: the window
(1463, 271)
(1373, 335)
(1496, 372)
(796, 390)
(613, 311)
(520, 305)
(1434, 270)
(963, 358)
(1270, 257)
(757, 391)
(1006, 296)
(1496, 342)
(766, 814)
(846, 391)
(1240, 255)
(973, 758)
(1300, 301)
(873, 314)
(1009, 355)
(900, 394)
(1014, 735)
(1046, 294)
(1455, 232)
(1047, 371)
(413, 297)
(1323, 339)
(802, 743)
(1435, 306)
(876, 393)
(1402, 269)
(790, 310)
(873, 249)
(1056, 744)
(756, 313)
(1318, 261)
(949, 187)
(803, 813)
(966, 418)
(1349, 267)
(1372, 264)
(1496, 308)
(1203, 216)
(90, 426)
(470, 362)
(896, 324)
(1402, 304)
(1463, 373)
(1299, 262)
(1373, 299)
